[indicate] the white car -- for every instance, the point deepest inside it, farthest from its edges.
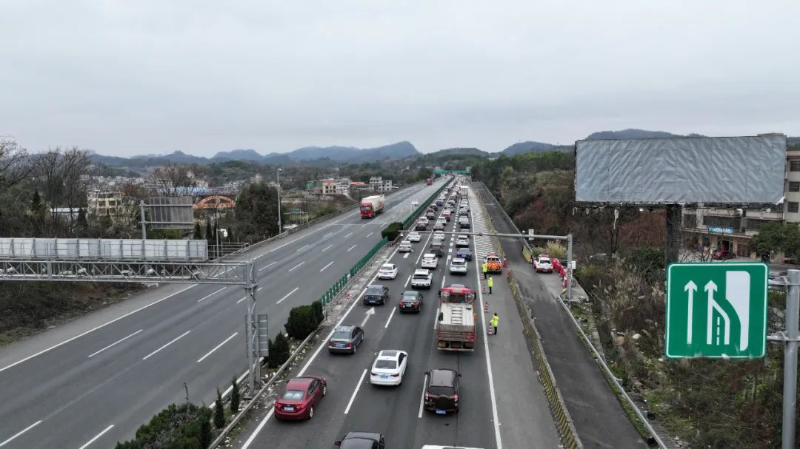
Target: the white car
(421, 278)
(405, 247)
(389, 367)
(414, 237)
(458, 266)
(462, 240)
(429, 261)
(387, 271)
(543, 264)
(438, 235)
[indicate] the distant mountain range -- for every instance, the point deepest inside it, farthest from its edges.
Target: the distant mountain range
(399, 150)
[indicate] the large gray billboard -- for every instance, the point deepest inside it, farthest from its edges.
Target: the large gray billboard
(709, 170)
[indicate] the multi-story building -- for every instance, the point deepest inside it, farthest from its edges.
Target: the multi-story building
(343, 186)
(328, 187)
(100, 202)
(376, 183)
(731, 229)
(387, 185)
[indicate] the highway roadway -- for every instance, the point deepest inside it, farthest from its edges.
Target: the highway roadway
(353, 404)
(94, 381)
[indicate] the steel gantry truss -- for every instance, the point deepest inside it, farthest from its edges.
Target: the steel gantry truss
(140, 271)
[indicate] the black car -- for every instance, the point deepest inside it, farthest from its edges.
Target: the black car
(430, 216)
(376, 294)
(411, 301)
(464, 224)
(361, 440)
(420, 226)
(441, 391)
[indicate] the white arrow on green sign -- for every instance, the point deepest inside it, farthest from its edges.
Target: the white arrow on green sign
(727, 319)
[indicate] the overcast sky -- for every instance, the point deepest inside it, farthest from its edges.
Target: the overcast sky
(154, 76)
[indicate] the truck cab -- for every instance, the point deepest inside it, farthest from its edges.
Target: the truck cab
(456, 329)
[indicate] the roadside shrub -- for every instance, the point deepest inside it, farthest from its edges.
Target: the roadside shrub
(302, 322)
(219, 412)
(179, 426)
(556, 250)
(319, 315)
(279, 351)
(235, 396)
(392, 231)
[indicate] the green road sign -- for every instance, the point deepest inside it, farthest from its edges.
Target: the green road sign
(716, 310)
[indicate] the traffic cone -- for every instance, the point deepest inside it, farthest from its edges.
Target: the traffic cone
(483, 287)
(486, 307)
(505, 264)
(490, 330)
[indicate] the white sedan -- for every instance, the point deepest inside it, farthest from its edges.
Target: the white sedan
(462, 241)
(387, 271)
(414, 237)
(389, 367)
(430, 261)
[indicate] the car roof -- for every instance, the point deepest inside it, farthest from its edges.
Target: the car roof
(347, 327)
(427, 256)
(463, 249)
(391, 354)
(298, 382)
(375, 287)
(411, 292)
(424, 271)
(459, 259)
(388, 265)
(371, 436)
(442, 377)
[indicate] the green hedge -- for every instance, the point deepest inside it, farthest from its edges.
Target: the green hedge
(303, 320)
(279, 351)
(392, 231)
(184, 426)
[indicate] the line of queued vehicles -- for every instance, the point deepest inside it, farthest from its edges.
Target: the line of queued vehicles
(456, 329)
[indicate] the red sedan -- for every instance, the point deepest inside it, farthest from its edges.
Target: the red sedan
(300, 396)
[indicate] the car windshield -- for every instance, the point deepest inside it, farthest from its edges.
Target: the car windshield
(440, 391)
(544, 260)
(387, 267)
(293, 395)
(386, 364)
(341, 335)
(411, 297)
(373, 290)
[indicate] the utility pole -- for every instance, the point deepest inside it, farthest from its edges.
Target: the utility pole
(280, 230)
(790, 359)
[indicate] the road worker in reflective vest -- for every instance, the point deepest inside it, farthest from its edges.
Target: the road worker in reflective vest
(490, 284)
(494, 322)
(485, 268)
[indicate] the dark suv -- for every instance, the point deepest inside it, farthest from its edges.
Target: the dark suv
(376, 294)
(361, 440)
(441, 391)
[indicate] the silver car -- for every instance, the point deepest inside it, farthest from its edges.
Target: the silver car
(346, 339)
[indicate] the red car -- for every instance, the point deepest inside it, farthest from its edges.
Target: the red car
(721, 254)
(300, 396)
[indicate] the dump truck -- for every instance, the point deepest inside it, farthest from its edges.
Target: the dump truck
(372, 206)
(457, 317)
(430, 181)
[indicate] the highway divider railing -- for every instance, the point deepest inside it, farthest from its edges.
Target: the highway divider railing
(342, 283)
(490, 225)
(558, 408)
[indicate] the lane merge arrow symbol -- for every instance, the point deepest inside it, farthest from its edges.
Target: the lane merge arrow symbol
(690, 287)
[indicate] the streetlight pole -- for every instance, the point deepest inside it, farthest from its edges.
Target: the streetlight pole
(279, 201)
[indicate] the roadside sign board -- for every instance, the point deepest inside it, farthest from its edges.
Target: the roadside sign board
(716, 310)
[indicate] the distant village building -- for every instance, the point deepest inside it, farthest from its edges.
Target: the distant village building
(376, 183)
(343, 186)
(102, 202)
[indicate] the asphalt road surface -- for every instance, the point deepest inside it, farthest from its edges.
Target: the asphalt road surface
(94, 381)
(353, 404)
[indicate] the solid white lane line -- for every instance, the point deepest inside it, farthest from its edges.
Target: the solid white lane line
(326, 248)
(243, 298)
(264, 268)
(203, 299)
(97, 437)
(94, 329)
(407, 281)
(364, 224)
(394, 309)
(369, 235)
(348, 235)
(296, 266)
(436, 319)
(327, 235)
(20, 433)
(114, 344)
(422, 398)
(301, 248)
(355, 392)
(443, 278)
(159, 349)
(287, 295)
(495, 419)
(348, 249)
(326, 266)
(217, 347)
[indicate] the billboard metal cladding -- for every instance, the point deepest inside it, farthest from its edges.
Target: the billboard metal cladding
(171, 212)
(690, 170)
(103, 249)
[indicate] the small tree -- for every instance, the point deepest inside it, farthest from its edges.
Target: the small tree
(106, 222)
(280, 350)
(235, 398)
(319, 315)
(198, 232)
(205, 431)
(219, 412)
(301, 323)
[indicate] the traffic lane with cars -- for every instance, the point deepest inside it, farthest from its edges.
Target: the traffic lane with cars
(343, 372)
(400, 332)
(75, 381)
